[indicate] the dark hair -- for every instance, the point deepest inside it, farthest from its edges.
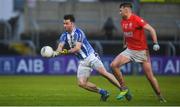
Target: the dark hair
(125, 4)
(69, 17)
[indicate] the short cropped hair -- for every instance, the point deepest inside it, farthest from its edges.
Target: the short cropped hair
(69, 17)
(125, 4)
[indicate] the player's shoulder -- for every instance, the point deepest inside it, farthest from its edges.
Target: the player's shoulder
(136, 17)
(64, 33)
(79, 31)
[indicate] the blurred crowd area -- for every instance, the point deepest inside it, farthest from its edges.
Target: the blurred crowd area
(27, 25)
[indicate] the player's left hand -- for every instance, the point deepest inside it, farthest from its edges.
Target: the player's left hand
(64, 52)
(156, 47)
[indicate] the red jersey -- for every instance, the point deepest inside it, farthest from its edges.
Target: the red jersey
(134, 32)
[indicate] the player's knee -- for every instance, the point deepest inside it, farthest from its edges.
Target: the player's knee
(113, 65)
(82, 84)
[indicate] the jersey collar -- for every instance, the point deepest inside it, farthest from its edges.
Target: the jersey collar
(73, 31)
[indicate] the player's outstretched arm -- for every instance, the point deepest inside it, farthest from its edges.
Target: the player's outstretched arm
(76, 48)
(152, 31)
(63, 52)
(58, 50)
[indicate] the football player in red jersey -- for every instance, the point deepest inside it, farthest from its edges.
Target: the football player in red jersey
(136, 50)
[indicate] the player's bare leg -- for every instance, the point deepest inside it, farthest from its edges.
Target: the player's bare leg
(150, 76)
(84, 83)
(108, 76)
(115, 65)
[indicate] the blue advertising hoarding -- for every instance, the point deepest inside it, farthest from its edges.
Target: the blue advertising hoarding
(67, 65)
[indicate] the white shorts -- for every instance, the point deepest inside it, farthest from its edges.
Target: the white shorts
(87, 65)
(136, 55)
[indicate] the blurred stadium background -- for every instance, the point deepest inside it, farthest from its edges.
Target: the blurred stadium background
(27, 25)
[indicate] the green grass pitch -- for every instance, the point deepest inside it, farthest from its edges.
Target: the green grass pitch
(63, 91)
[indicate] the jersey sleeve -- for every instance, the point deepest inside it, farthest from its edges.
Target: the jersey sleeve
(140, 21)
(80, 36)
(62, 38)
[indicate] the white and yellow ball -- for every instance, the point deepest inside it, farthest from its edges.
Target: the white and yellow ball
(47, 51)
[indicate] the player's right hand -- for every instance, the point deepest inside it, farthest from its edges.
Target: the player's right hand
(55, 53)
(156, 47)
(63, 52)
